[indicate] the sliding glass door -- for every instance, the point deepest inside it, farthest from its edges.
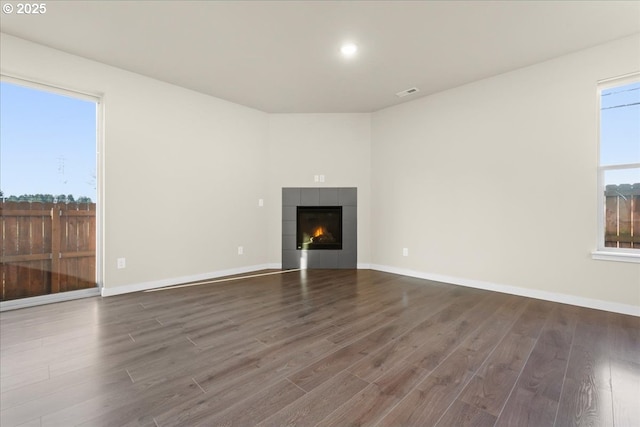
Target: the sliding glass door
(48, 190)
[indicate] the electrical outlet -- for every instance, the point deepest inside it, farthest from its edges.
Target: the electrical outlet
(321, 178)
(405, 251)
(261, 202)
(122, 263)
(316, 178)
(240, 250)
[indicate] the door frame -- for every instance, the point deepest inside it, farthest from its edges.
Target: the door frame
(99, 150)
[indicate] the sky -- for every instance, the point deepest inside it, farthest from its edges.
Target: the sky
(47, 143)
(620, 132)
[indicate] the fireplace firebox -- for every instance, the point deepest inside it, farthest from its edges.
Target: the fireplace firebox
(319, 227)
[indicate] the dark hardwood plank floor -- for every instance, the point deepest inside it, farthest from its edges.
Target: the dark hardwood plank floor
(318, 348)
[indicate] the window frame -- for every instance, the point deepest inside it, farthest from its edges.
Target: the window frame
(602, 252)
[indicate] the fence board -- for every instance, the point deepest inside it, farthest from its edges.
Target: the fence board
(23, 234)
(10, 272)
(10, 232)
(10, 280)
(45, 252)
(55, 249)
(47, 242)
(37, 232)
(636, 222)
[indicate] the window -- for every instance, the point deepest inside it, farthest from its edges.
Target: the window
(619, 170)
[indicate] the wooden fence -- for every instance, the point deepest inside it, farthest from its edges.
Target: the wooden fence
(47, 248)
(622, 216)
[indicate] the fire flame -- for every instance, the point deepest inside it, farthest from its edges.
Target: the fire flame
(319, 231)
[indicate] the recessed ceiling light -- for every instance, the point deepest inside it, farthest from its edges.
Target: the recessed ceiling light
(349, 49)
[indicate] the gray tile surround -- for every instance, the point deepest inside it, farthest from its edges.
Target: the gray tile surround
(347, 257)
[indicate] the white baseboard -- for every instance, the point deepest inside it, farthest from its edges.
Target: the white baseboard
(144, 286)
(514, 290)
(360, 266)
(48, 299)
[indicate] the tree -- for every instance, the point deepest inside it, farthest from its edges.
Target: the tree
(45, 198)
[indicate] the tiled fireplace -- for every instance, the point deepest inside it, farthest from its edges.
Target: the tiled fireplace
(319, 227)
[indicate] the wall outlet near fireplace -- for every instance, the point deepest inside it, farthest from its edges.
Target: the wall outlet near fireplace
(121, 263)
(240, 250)
(405, 251)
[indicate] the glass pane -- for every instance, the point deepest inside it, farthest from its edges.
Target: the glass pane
(622, 176)
(47, 193)
(622, 208)
(319, 227)
(620, 125)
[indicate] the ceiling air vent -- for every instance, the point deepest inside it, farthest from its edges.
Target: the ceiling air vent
(407, 92)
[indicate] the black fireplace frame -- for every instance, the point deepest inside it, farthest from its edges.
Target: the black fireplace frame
(337, 229)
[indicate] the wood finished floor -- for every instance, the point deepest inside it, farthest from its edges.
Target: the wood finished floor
(321, 347)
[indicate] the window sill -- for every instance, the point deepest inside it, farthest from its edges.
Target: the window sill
(616, 256)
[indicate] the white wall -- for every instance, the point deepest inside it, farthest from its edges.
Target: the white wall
(494, 183)
(304, 145)
(183, 171)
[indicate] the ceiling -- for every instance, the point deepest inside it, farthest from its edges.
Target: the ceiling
(283, 56)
